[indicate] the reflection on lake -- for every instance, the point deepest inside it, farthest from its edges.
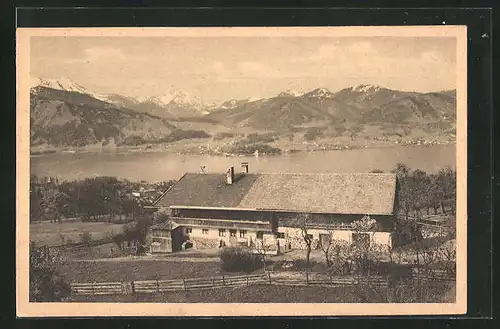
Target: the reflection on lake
(158, 166)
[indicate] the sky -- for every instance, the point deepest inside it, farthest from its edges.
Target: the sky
(222, 68)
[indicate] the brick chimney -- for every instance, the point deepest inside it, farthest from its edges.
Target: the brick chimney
(244, 167)
(230, 175)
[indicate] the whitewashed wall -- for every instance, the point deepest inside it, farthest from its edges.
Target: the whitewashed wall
(293, 236)
(213, 234)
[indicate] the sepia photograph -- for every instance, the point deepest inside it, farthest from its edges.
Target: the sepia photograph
(241, 171)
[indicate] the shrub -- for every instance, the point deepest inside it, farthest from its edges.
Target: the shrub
(237, 259)
(134, 140)
(250, 149)
(180, 134)
(339, 130)
(223, 135)
(260, 138)
(46, 284)
(313, 133)
(86, 237)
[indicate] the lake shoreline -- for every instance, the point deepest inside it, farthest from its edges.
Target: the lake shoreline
(201, 149)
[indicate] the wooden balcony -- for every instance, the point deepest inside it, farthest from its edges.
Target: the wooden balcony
(223, 223)
(330, 226)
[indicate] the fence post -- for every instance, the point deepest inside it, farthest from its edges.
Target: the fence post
(93, 292)
(213, 282)
(223, 282)
(185, 286)
(307, 277)
(157, 286)
(269, 275)
(247, 278)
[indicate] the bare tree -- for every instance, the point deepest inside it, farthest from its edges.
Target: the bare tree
(340, 257)
(448, 254)
(327, 245)
(262, 248)
(302, 221)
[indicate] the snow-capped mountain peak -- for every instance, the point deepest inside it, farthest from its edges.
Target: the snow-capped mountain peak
(365, 88)
(320, 93)
(158, 100)
(176, 96)
(232, 103)
(292, 93)
(183, 98)
(65, 84)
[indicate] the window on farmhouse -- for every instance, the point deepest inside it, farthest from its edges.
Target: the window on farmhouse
(281, 235)
(243, 234)
(222, 232)
(232, 233)
(189, 230)
(204, 231)
(361, 239)
(260, 235)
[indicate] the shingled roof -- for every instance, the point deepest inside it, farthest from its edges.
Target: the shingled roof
(372, 194)
(207, 190)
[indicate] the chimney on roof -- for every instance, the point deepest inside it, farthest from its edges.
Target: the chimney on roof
(230, 175)
(244, 167)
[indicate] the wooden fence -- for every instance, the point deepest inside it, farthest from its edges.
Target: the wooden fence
(98, 288)
(82, 245)
(152, 286)
(275, 278)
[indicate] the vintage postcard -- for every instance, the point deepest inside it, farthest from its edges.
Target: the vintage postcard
(262, 171)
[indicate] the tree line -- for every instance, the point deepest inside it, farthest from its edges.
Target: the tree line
(421, 193)
(95, 198)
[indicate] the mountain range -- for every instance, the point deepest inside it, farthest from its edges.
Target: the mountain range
(63, 113)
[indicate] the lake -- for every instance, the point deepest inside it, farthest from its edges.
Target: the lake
(159, 166)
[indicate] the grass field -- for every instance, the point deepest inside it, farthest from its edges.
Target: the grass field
(106, 271)
(251, 294)
(259, 294)
(52, 234)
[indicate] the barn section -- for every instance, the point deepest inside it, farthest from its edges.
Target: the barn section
(210, 210)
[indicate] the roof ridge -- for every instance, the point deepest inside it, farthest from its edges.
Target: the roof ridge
(324, 173)
(171, 187)
(296, 173)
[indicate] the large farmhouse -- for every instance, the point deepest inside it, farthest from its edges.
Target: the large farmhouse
(209, 210)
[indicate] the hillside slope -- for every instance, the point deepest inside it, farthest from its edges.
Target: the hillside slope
(360, 105)
(67, 118)
(63, 113)
(277, 113)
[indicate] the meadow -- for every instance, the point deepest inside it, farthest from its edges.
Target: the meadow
(261, 294)
(54, 234)
(105, 271)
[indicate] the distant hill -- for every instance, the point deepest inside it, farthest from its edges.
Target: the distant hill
(418, 108)
(70, 118)
(367, 97)
(63, 113)
(365, 104)
(173, 104)
(276, 113)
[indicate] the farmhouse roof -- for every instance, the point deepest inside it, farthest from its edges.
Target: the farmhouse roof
(167, 225)
(364, 193)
